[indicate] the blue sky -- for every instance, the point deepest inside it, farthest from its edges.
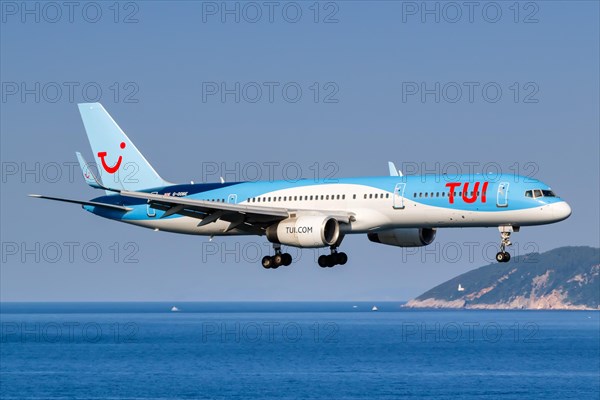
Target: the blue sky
(357, 68)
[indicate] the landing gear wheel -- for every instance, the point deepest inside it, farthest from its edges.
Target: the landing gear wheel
(277, 260)
(500, 257)
(323, 261)
(335, 258)
(286, 259)
(267, 262)
(331, 261)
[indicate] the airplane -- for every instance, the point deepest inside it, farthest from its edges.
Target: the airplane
(395, 210)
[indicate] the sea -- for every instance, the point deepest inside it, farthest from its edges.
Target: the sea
(265, 350)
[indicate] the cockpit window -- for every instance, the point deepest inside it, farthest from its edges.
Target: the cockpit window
(548, 193)
(539, 193)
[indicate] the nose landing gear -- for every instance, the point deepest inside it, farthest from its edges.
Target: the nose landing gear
(503, 256)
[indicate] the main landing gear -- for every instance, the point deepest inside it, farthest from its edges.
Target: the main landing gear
(278, 259)
(335, 258)
(503, 256)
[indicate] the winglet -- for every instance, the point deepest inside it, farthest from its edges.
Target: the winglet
(88, 175)
(393, 170)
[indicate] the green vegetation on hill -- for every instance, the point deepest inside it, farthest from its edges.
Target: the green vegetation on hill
(570, 275)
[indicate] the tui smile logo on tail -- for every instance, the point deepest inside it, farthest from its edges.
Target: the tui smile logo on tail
(107, 168)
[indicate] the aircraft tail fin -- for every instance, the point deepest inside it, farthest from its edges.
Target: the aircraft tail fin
(120, 163)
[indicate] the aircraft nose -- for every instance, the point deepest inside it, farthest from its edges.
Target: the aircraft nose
(561, 210)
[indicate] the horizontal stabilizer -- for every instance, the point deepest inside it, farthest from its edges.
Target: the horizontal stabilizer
(84, 203)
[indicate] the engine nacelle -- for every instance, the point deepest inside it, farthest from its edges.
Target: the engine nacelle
(404, 237)
(305, 231)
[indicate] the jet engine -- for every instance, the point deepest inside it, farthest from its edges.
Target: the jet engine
(404, 237)
(305, 231)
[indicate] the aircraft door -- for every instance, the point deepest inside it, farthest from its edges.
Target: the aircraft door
(399, 196)
(502, 196)
(232, 198)
(151, 212)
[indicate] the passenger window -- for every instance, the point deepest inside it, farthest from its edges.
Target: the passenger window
(426, 194)
(370, 195)
(353, 197)
(338, 196)
(343, 197)
(387, 195)
(421, 194)
(415, 194)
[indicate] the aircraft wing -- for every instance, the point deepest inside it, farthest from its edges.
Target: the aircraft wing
(241, 216)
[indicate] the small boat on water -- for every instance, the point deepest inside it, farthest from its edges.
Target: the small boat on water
(374, 308)
(174, 309)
